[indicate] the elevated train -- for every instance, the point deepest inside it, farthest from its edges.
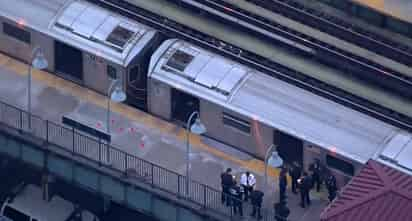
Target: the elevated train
(171, 78)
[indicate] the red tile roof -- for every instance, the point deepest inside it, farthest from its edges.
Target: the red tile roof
(377, 193)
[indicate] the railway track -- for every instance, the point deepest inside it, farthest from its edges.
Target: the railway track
(172, 29)
(340, 28)
(364, 68)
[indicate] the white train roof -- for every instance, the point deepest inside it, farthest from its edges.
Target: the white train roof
(271, 101)
(398, 153)
(82, 25)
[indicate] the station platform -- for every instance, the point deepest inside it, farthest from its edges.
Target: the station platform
(141, 134)
(277, 54)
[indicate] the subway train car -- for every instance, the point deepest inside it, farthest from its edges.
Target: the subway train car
(250, 110)
(239, 106)
(82, 42)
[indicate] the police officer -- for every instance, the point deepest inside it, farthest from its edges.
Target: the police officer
(315, 168)
(236, 199)
(248, 182)
(227, 182)
(281, 211)
(256, 197)
(295, 173)
(331, 186)
(305, 184)
(283, 183)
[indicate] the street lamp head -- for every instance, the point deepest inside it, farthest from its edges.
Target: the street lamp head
(118, 95)
(275, 160)
(198, 128)
(39, 61)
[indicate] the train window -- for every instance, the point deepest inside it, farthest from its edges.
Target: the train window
(111, 72)
(179, 60)
(236, 122)
(340, 165)
(17, 33)
(120, 36)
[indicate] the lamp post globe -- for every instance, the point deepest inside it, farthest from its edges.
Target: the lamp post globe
(118, 95)
(39, 61)
(275, 160)
(198, 128)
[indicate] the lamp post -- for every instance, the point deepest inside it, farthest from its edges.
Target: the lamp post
(116, 94)
(273, 161)
(37, 61)
(197, 128)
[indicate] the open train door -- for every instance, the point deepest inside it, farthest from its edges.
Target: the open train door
(137, 87)
(183, 105)
(68, 61)
(290, 149)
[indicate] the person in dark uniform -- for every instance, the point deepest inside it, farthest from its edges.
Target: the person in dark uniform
(331, 186)
(283, 183)
(256, 198)
(305, 184)
(236, 199)
(281, 211)
(295, 173)
(315, 168)
(227, 182)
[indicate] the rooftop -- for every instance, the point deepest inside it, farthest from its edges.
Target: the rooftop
(378, 193)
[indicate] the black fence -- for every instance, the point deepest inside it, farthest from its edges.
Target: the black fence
(132, 166)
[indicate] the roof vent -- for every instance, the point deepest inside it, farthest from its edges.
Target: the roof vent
(120, 36)
(180, 60)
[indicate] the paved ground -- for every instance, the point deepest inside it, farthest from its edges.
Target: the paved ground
(139, 133)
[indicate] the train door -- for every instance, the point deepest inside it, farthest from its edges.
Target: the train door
(289, 148)
(68, 61)
(137, 87)
(183, 105)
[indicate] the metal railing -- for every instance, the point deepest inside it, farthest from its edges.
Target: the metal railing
(76, 143)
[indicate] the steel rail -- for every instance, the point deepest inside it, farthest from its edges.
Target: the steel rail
(366, 69)
(336, 26)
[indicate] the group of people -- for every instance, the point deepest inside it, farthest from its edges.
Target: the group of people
(233, 195)
(304, 182)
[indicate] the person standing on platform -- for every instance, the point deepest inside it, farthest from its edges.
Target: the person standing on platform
(248, 182)
(305, 184)
(236, 199)
(331, 186)
(315, 168)
(227, 182)
(283, 183)
(256, 198)
(295, 173)
(281, 211)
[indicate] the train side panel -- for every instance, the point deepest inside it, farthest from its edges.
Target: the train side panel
(159, 99)
(255, 142)
(18, 41)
